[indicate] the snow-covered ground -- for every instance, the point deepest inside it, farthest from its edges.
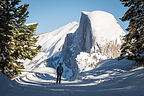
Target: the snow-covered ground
(109, 78)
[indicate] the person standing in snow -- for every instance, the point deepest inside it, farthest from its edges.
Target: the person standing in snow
(59, 73)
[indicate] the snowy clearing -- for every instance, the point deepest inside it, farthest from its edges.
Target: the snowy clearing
(110, 78)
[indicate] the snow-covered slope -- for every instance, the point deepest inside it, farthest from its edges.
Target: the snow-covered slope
(52, 42)
(110, 78)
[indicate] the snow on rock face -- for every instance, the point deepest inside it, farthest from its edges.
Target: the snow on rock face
(98, 33)
(98, 29)
(104, 27)
(52, 42)
(88, 61)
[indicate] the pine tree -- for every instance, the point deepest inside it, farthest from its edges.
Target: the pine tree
(133, 48)
(17, 40)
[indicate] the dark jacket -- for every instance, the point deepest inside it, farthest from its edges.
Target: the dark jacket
(59, 70)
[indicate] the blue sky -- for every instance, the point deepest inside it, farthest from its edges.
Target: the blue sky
(52, 14)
